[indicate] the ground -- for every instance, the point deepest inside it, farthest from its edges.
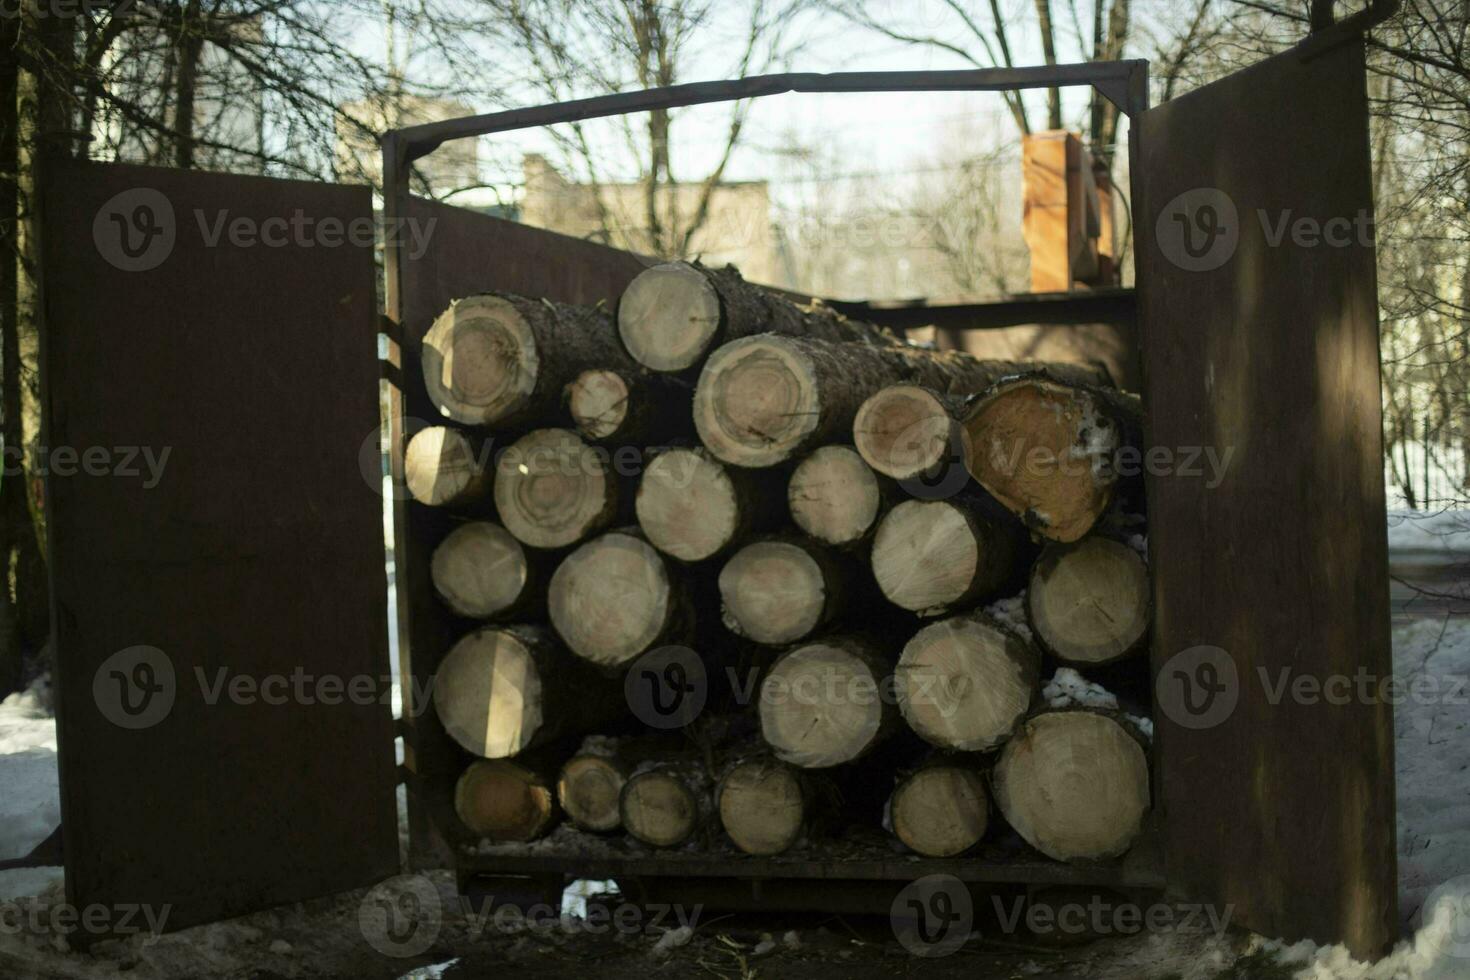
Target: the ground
(340, 936)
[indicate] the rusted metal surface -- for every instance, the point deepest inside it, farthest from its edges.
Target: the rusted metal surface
(257, 552)
(1284, 806)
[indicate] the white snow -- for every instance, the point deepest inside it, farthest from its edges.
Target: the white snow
(1443, 531)
(1011, 612)
(30, 806)
(1069, 689)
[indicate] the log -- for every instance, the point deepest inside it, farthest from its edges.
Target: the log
(614, 598)
(552, 489)
(781, 590)
(480, 571)
(940, 810)
(763, 804)
(444, 467)
(591, 781)
(825, 703)
(671, 316)
(503, 689)
(965, 683)
(504, 801)
(692, 507)
(908, 431)
(667, 802)
(835, 497)
(628, 406)
(1088, 602)
(503, 361)
(1047, 450)
(933, 555)
(1074, 785)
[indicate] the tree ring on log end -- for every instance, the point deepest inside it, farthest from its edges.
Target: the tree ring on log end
(820, 706)
(687, 504)
(903, 431)
(762, 806)
(773, 591)
(668, 316)
(598, 402)
(833, 495)
(552, 489)
(756, 401)
(479, 569)
(480, 360)
(925, 555)
(610, 599)
(487, 692)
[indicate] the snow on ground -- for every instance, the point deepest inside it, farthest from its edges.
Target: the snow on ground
(30, 807)
(1446, 531)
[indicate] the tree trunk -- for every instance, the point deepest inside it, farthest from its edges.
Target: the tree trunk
(672, 316)
(693, 507)
(481, 571)
(625, 406)
(782, 590)
(1089, 602)
(966, 683)
(553, 490)
(667, 802)
(941, 810)
(836, 498)
(444, 467)
(1074, 785)
(933, 555)
(504, 801)
(823, 704)
(504, 689)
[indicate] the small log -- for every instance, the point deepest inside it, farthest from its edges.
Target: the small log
(666, 803)
(764, 804)
(932, 555)
(907, 431)
(503, 689)
(940, 810)
(444, 467)
(692, 507)
(480, 571)
(614, 598)
(1074, 785)
(835, 497)
(503, 361)
(1088, 602)
(628, 406)
(1047, 450)
(591, 781)
(504, 801)
(826, 703)
(552, 489)
(781, 590)
(965, 683)
(671, 316)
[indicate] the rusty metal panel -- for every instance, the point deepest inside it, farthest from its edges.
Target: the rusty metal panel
(255, 550)
(1265, 347)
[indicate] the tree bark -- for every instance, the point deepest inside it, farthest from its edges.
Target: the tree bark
(1089, 602)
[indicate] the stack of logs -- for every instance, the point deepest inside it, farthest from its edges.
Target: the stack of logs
(822, 514)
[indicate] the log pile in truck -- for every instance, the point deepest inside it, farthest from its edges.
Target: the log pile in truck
(867, 556)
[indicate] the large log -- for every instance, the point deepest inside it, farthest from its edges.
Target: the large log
(1089, 602)
(444, 467)
(627, 406)
(552, 489)
(966, 682)
(835, 497)
(503, 689)
(825, 703)
(940, 810)
(667, 802)
(503, 361)
(764, 804)
(504, 801)
(671, 316)
(615, 598)
(781, 590)
(1074, 785)
(933, 555)
(480, 571)
(1048, 450)
(692, 507)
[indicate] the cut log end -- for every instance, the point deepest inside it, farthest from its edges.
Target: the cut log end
(687, 505)
(774, 592)
(834, 496)
(611, 600)
(757, 401)
(441, 468)
(821, 706)
(501, 800)
(905, 431)
(1089, 602)
(762, 806)
(965, 684)
(668, 317)
(598, 403)
(479, 570)
(552, 489)
(488, 694)
(941, 811)
(659, 809)
(1074, 785)
(927, 555)
(1045, 451)
(589, 788)
(480, 360)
